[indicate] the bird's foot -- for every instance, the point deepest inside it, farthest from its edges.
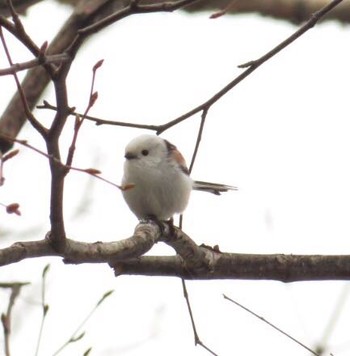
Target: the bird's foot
(152, 219)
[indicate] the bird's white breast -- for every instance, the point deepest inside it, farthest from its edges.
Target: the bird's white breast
(160, 190)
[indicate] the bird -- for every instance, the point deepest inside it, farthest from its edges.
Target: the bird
(156, 183)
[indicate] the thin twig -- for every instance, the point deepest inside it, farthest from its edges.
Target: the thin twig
(199, 138)
(44, 306)
(184, 287)
(80, 119)
(270, 324)
(91, 171)
(135, 8)
(17, 67)
(40, 128)
(99, 122)
(75, 336)
(307, 26)
(17, 30)
(339, 307)
(6, 318)
(197, 340)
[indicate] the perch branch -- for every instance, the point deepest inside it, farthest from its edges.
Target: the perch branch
(191, 261)
(278, 267)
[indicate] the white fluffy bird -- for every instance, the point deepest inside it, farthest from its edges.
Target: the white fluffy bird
(156, 182)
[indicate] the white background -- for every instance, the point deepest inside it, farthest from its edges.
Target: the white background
(281, 136)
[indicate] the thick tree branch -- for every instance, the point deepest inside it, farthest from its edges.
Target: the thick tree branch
(145, 236)
(136, 7)
(191, 261)
(20, 5)
(278, 267)
(296, 11)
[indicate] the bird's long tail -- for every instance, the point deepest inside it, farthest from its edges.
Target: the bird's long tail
(214, 188)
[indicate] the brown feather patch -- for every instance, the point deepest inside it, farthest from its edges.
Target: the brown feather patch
(177, 156)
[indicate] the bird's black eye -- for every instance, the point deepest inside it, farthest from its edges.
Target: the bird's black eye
(145, 152)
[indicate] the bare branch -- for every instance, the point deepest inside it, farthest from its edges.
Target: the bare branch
(252, 65)
(284, 268)
(40, 128)
(272, 325)
(77, 333)
(91, 171)
(6, 317)
(135, 8)
(21, 6)
(307, 26)
(192, 261)
(38, 78)
(80, 119)
(199, 138)
(17, 67)
(44, 306)
(296, 11)
(145, 236)
(197, 340)
(99, 121)
(17, 30)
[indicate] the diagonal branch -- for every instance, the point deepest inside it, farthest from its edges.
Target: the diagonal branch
(252, 66)
(40, 128)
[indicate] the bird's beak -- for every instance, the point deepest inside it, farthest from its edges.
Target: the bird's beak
(130, 155)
